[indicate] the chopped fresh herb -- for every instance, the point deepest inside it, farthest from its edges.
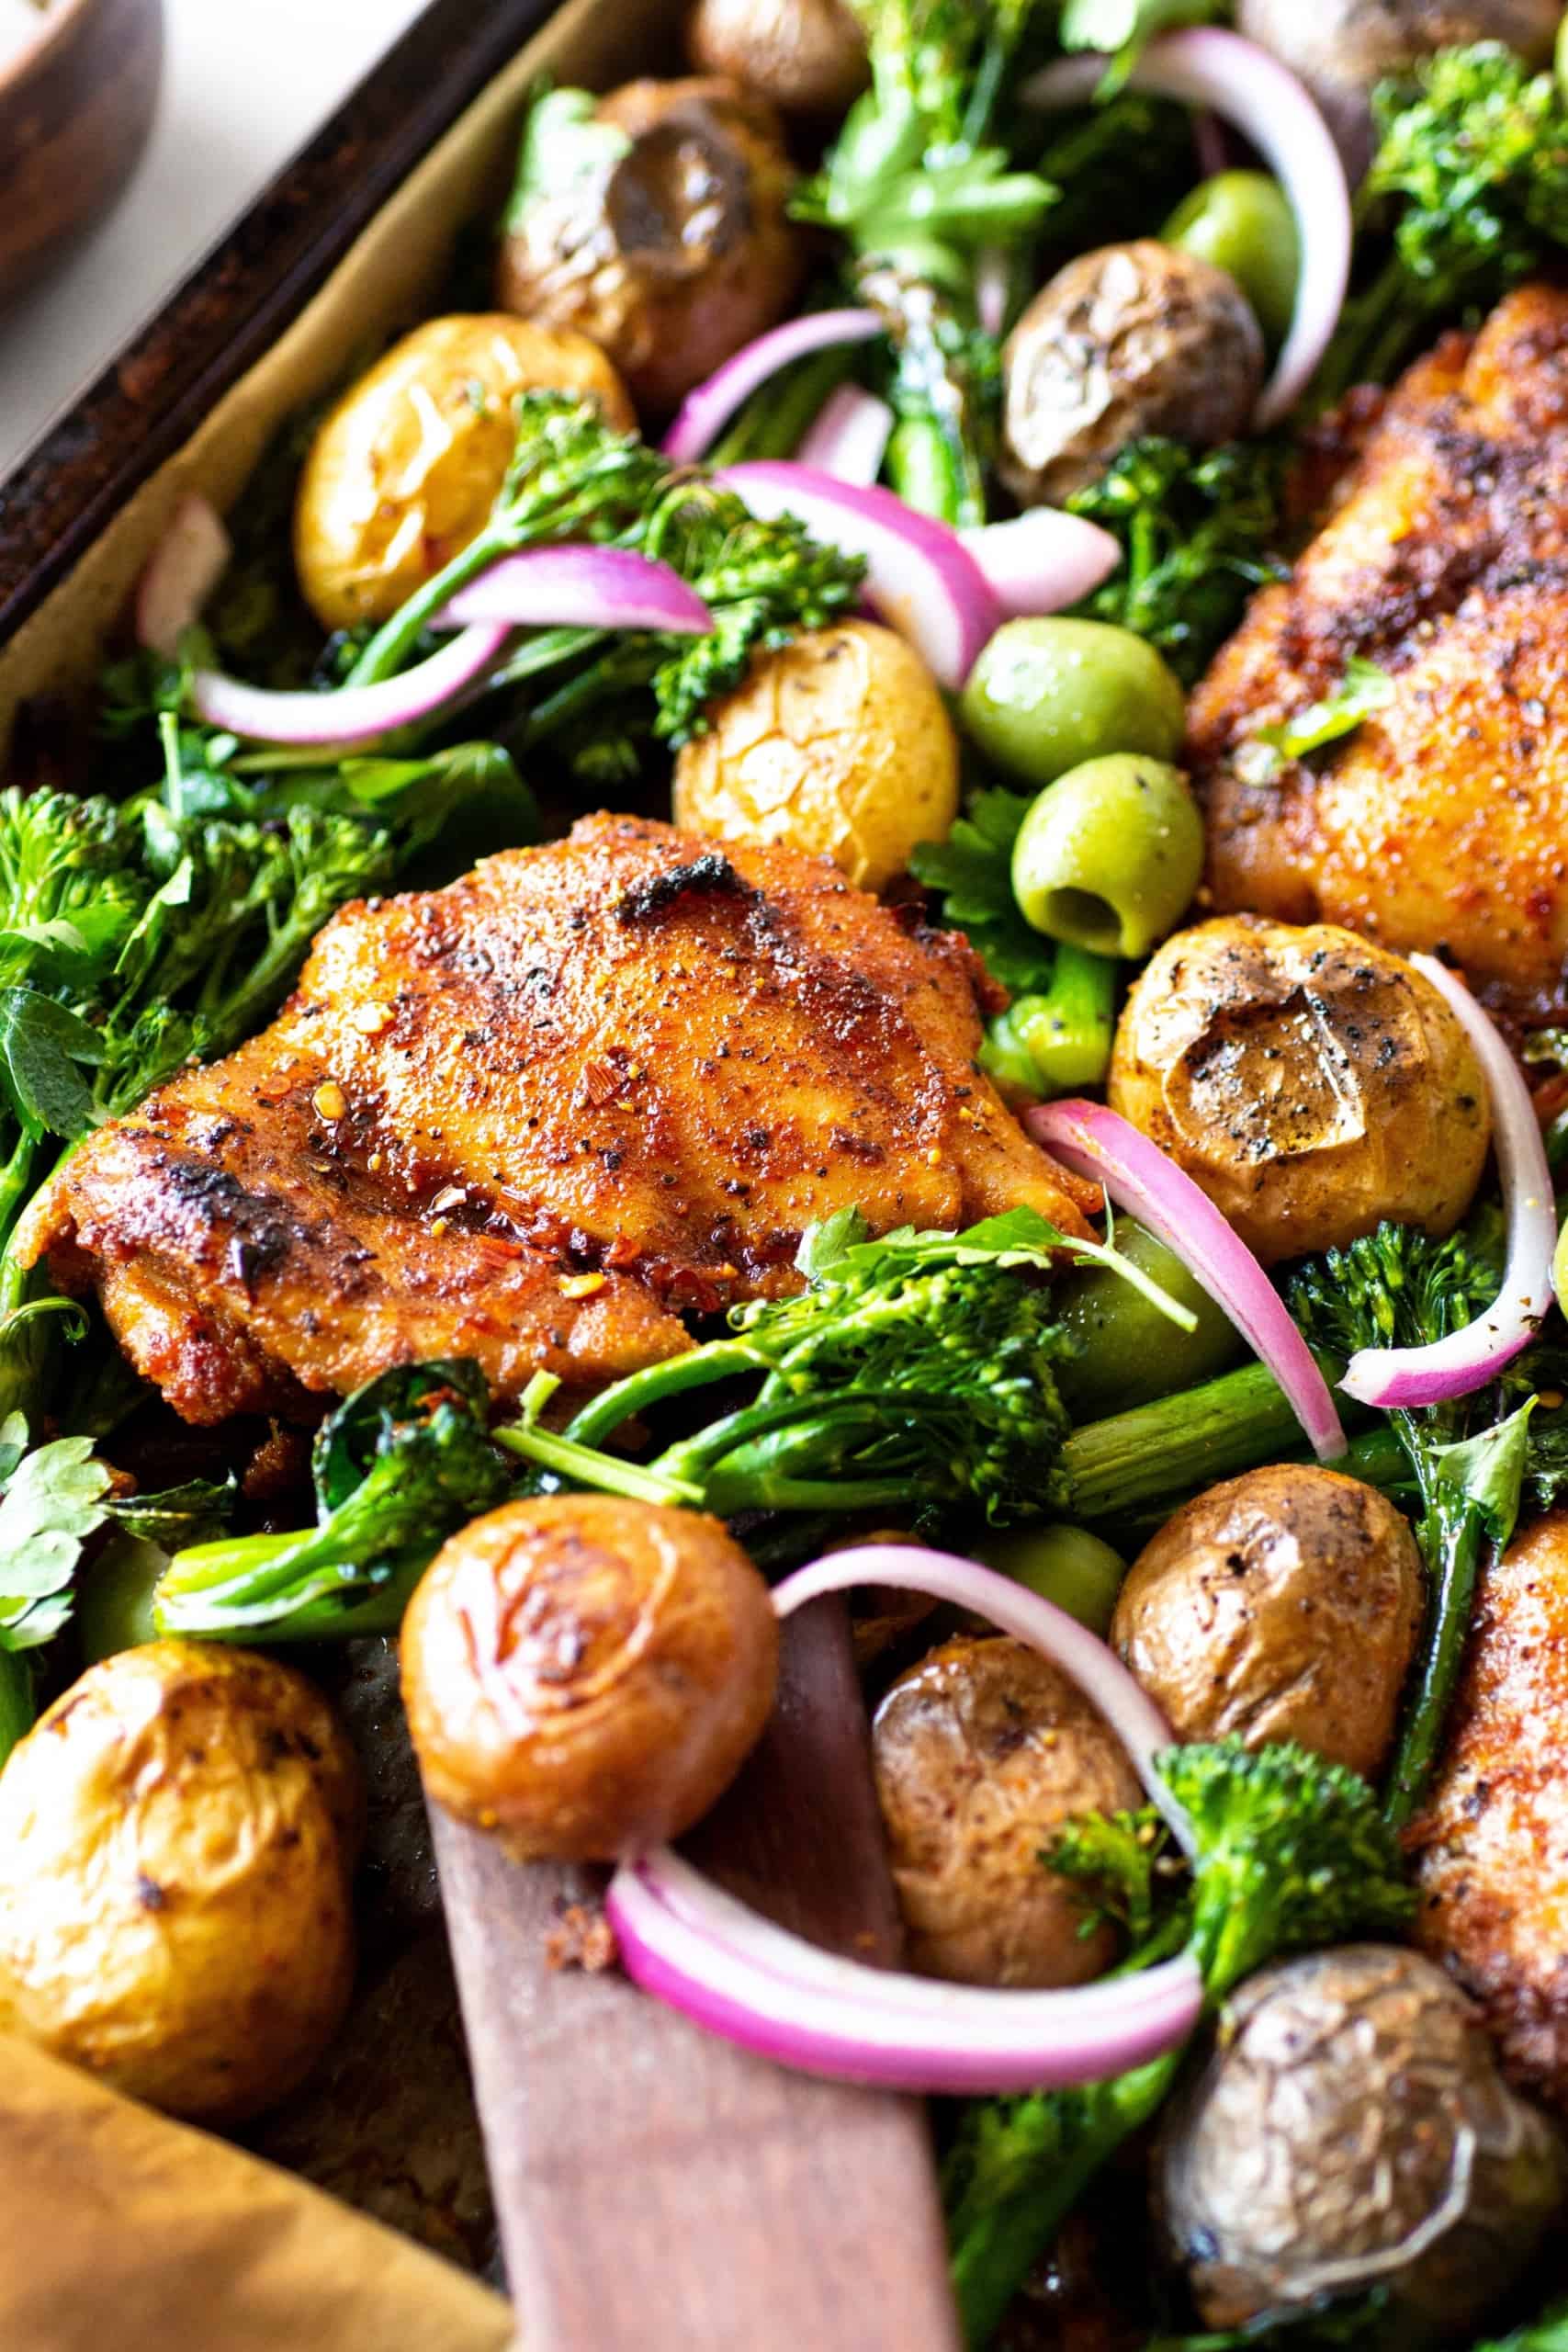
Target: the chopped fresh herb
(1361, 692)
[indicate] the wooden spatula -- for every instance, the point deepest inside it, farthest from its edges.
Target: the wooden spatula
(655, 2187)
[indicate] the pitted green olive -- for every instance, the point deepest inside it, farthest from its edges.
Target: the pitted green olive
(1045, 696)
(1131, 1353)
(1242, 222)
(1110, 855)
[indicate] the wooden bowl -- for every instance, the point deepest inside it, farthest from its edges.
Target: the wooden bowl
(76, 109)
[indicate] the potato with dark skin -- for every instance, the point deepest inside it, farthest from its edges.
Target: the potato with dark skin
(1343, 48)
(177, 1837)
(1281, 1605)
(806, 56)
(1351, 2132)
(1132, 340)
(838, 743)
(678, 250)
(406, 466)
(584, 1675)
(1312, 1084)
(982, 1752)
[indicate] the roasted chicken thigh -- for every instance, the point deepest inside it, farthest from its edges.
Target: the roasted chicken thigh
(536, 1116)
(1442, 821)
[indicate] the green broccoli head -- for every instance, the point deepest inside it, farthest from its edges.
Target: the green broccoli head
(1393, 1288)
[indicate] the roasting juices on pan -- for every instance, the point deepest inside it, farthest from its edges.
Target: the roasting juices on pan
(854, 883)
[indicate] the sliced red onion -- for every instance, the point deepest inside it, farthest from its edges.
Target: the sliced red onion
(1043, 560)
(353, 714)
(1467, 1360)
(1096, 1142)
(704, 412)
(1207, 67)
(1209, 140)
(849, 438)
(920, 577)
(180, 574)
(579, 587)
(692, 1945)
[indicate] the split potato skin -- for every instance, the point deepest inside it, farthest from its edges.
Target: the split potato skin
(1281, 1605)
(404, 470)
(806, 56)
(679, 252)
(982, 1751)
(584, 1675)
(1310, 1082)
(839, 744)
(177, 1837)
(1130, 340)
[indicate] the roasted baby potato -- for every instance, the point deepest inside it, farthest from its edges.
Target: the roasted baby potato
(1343, 48)
(806, 56)
(1351, 2132)
(586, 1676)
(676, 249)
(1132, 340)
(406, 467)
(982, 1751)
(177, 1837)
(1281, 1605)
(839, 744)
(1312, 1084)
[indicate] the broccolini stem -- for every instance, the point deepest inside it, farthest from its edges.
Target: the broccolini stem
(676, 1376)
(1453, 1542)
(1161, 1452)
(18, 1708)
(1059, 1041)
(238, 1614)
(585, 1466)
(775, 420)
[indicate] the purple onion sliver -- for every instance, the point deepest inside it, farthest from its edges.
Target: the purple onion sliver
(705, 411)
(579, 587)
(848, 439)
(353, 714)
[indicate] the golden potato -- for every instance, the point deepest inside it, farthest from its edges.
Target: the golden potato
(584, 1675)
(839, 744)
(677, 249)
(177, 1837)
(406, 467)
(1281, 1605)
(982, 1751)
(1312, 1084)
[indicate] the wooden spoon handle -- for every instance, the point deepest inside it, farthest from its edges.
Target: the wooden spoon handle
(659, 2190)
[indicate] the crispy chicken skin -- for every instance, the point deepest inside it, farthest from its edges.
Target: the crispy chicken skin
(1491, 1850)
(1443, 821)
(536, 1116)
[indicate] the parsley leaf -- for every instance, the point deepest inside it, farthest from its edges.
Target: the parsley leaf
(1361, 692)
(972, 870)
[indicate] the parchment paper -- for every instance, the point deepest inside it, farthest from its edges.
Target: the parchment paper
(121, 2232)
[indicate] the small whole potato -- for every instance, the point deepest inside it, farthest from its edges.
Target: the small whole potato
(1130, 340)
(806, 56)
(1343, 48)
(839, 744)
(982, 1752)
(1281, 1605)
(1310, 1082)
(405, 468)
(1352, 2131)
(675, 251)
(177, 1837)
(584, 1675)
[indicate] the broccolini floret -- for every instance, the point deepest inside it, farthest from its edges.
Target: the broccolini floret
(1288, 1853)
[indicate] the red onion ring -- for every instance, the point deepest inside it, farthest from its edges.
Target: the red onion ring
(353, 714)
(180, 574)
(692, 1945)
(704, 411)
(579, 587)
(1206, 67)
(1096, 1142)
(1467, 1360)
(1043, 560)
(849, 438)
(920, 577)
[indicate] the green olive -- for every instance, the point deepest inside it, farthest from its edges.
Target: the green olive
(1067, 1564)
(1108, 856)
(115, 1610)
(1242, 222)
(1132, 1354)
(1048, 694)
